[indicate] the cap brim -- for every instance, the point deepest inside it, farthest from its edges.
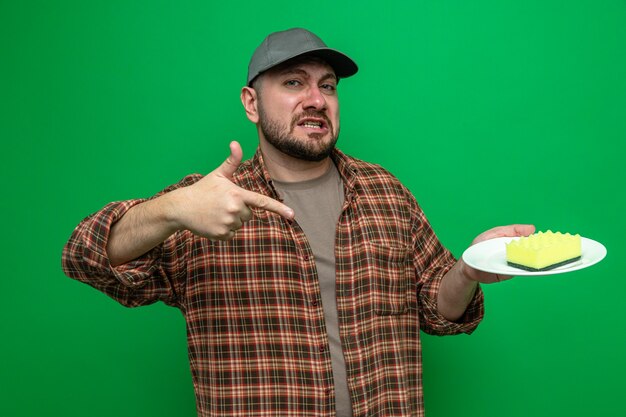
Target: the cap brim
(344, 66)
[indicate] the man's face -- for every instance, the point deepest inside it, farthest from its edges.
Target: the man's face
(299, 110)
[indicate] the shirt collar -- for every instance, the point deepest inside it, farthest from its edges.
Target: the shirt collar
(346, 167)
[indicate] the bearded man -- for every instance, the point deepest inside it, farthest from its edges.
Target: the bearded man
(304, 275)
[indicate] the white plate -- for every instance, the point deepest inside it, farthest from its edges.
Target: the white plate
(490, 256)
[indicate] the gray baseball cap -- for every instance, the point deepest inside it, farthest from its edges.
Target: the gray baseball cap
(282, 46)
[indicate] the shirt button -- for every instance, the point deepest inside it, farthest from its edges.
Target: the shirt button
(322, 348)
(306, 257)
(314, 303)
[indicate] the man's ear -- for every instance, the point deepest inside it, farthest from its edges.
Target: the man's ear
(249, 99)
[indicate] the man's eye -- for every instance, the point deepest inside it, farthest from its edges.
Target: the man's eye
(293, 83)
(329, 87)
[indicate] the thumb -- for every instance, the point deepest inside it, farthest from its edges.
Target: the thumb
(230, 165)
(504, 231)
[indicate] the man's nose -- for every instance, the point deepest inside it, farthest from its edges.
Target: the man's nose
(314, 99)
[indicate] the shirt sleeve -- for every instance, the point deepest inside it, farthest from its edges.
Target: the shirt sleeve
(158, 275)
(432, 261)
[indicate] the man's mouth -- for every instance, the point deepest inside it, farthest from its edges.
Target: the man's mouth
(313, 124)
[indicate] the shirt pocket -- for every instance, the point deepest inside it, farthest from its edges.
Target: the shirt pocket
(388, 271)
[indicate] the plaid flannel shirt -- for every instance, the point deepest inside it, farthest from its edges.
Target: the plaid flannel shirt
(256, 333)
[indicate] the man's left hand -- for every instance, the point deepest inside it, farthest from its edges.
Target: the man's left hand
(513, 230)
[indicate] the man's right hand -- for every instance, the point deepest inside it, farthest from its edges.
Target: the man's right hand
(215, 207)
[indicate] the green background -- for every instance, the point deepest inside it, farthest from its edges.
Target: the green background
(491, 112)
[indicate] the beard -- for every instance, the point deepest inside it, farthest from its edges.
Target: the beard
(282, 137)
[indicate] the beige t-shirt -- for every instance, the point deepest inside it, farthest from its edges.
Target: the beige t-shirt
(317, 204)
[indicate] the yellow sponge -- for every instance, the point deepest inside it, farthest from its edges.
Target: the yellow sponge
(543, 251)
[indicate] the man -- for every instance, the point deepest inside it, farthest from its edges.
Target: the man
(305, 275)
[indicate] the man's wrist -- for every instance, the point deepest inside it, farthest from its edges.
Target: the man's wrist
(168, 210)
(467, 273)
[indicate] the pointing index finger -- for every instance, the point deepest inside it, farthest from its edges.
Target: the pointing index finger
(264, 202)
